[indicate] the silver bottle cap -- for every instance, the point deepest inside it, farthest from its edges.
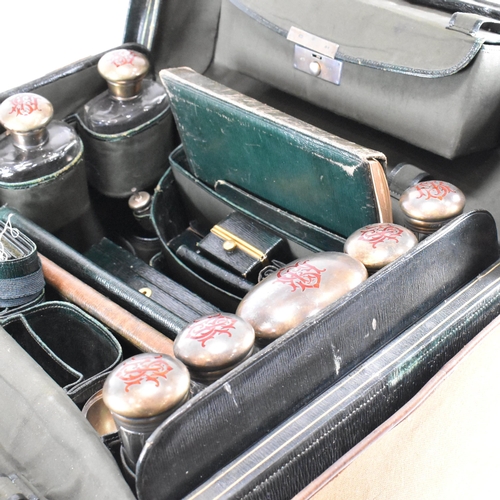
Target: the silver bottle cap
(429, 205)
(377, 245)
(140, 201)
(299, 290)
(124, 70)
(146, 385)
(26, 115)
(214, 344)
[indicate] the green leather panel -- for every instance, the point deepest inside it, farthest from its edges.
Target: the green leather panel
(393, 36)
(230, 137)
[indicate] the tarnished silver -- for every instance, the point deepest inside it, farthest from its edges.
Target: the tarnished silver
(140, 393)
(377, 245)
(98, 414)
(212, 345)
(123, 70)
(140, 201)
(429, 205)
(298, 291)
(25, 116)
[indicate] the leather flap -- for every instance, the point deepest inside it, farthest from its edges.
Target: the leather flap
(392, 36)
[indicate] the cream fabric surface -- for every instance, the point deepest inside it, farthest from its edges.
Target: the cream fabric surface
(444, 444)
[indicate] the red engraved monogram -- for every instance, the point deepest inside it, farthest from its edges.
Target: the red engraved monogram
(434, 189)
(301, 275)
(378, 233)
(24, 105)
(207, 328)
(123, 57)
(136, 371)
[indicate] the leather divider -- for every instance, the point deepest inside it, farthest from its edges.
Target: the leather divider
(239, 409)
(289, 458)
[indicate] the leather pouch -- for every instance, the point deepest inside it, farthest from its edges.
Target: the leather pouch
(72, 347)
(239, 409)
(227, 136)
(242, 245)
(425, 76)
(296, 452)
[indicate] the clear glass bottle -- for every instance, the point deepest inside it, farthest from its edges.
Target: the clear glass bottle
(125, 125)
(41, 163)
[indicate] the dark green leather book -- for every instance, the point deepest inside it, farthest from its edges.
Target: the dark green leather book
(230, 137)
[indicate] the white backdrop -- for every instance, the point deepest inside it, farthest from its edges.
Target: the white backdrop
(39, 36)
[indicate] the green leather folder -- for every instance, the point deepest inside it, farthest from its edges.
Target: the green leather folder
(299, 168)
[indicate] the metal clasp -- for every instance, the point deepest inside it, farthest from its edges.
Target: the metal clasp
(315, 55)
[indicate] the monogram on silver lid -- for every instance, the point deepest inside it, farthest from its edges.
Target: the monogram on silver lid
(123, 69)
(146, 385)
(377, 245)
(214, 343)
(25, 112)
(429, 205)
(299, 290)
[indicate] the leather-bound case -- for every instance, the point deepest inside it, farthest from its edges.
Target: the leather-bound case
(239, 409)
(302, 447)
(148, 281)
(242, 245)
(315, 175)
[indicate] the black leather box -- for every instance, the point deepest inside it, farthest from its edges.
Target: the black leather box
(227, 418)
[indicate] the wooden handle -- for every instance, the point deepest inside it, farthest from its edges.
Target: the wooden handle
(138, 333)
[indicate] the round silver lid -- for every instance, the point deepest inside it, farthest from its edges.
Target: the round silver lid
(123, 69)
(26, 112)
(140, 200)
(214, 342)
(146, 385)
(431, 203)
(377, 245)
(298, 291)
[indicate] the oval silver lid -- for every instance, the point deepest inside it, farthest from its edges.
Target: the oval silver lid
(377, 245)
(214, 342)
(124, 70)
(146, 385)
(298, 291)
(26, 112)
(431, 203)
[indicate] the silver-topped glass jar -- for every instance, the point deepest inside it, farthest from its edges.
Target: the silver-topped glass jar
(42, 173)
(128, 129)
(429, 205)
(298, 291)
(212, 345)
(141, 393)
(377, 245)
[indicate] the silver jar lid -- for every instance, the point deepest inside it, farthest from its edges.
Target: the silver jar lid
(299, 290)
(26, 112)
(214, 344)
(146, 385)
(124, 71)
(377, 245)
(429, 205)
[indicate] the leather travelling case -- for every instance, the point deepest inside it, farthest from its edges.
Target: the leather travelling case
(424, 75)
